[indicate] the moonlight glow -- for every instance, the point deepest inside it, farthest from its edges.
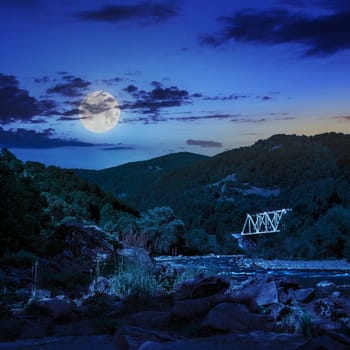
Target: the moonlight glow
(99, 112)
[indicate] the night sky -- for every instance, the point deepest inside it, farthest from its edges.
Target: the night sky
(196, 75)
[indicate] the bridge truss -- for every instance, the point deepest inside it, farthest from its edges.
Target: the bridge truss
(265, 222)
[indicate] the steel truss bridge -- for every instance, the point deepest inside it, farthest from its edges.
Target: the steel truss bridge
(261, 223)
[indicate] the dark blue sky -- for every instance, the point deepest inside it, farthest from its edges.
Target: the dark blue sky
(198, 76)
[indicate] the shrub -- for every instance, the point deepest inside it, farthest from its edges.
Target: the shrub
(20, 259)
(135, 283)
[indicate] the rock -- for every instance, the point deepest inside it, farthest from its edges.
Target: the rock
(336, 294)
(191, 308)
(200, 287)
(131, 338)
(342, 306)
(325, 289)
(34, 329)
(287, 282)
(233, 317)
(264, 293)
(323, 308)
(277, 311)
(57, 308)
(149, 319)
(258, 340)
(101, 304)
(135, 255)
(304, 295)
(4, 310)
(285, 296)
(326, 326)
(74, 239)
(327, 341)
(150, 345)
(100, 285)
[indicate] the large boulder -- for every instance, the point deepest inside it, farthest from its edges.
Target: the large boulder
(192, 308)
(264, 293)
(304, 295)
(330, 340)
(75, 240)
(247, 341)
(233, 317)
(57, 308)
(149, 319)
(131, 338)
(325, 289)
(200, 287)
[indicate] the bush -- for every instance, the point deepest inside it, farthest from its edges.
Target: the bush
(135, 283)
(21, 259)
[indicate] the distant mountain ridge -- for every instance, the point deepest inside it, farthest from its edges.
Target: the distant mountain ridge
(127, 179)
(310, 174)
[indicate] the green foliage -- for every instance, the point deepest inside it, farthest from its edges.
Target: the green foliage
(163, 229)
(35, 199)
(196, 242)
(20, 259)
(21, 207)
(135, 283)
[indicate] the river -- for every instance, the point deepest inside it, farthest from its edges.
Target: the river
(308, 273)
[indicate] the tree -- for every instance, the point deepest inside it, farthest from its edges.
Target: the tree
(163, 229)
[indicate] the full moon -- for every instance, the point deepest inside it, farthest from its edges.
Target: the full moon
(99, 112)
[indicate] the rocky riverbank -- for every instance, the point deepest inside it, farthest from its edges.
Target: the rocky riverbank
(161, 304)
(201, 313)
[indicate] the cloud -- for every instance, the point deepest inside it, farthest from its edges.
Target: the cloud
(119, 147)
(150, 102)
(216, 116)
(232, 97)
(204, 144)
(112, 81)
(23, 138)
(342, 117)
(17, 105)
(320, 35)
(71, 87)
(335, 5)
(42, 80)
(146, 12)
(153, 119)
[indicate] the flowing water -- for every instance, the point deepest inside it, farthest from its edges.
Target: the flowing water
(231, 266)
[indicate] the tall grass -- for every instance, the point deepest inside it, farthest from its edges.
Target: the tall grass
(134, 282)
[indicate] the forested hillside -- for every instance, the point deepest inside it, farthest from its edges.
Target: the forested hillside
(127, 179)
(311, 175)
(35, 199)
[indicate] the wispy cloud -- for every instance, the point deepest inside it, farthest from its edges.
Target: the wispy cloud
(23, 138)
(320, 35)
(204, 143)
(150, 102)
(145, 13)
(342, 117)
(71, 86)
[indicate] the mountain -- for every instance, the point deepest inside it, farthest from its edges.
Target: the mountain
(35, 199)
(131, 178)
(311, 175)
